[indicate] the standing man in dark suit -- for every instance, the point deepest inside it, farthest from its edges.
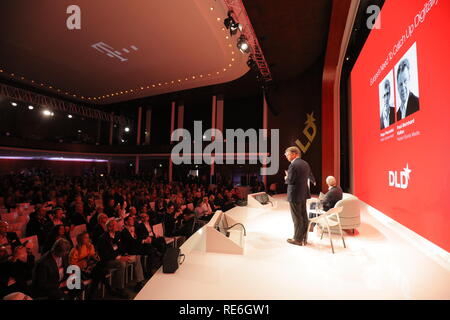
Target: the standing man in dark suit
(296, 178)
(409, 102)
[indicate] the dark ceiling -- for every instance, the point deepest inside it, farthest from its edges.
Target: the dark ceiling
(293, 33)
(293, 36)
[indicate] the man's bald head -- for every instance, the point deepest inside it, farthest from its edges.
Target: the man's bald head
(331, 181)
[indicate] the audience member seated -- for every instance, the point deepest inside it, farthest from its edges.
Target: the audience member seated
(49, 278)
(112, 257)
(38, 226)
(203, 210)
(94, 218)
(79, 217)
(57, 232)
(100, 227)
(132, 245)
(148, 237)
(57, 217)
(8, 238)
(16, 271)
(85, 256)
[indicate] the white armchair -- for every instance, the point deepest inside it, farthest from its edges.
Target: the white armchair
(350, 216)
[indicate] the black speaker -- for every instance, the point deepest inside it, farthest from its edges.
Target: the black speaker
(171, 260)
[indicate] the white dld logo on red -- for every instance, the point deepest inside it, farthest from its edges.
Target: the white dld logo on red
(399, 179)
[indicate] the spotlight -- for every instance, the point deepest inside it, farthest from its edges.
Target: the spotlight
(242, 44)
(127, 129)
(231, 24)
(30, 107)
(228, 21)
(69, 116)
(251, 63)
(46, 113)
(235, 27)
(14, 104)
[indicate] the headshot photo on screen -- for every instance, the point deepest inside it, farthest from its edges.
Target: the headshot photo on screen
(406, 73)
(386, 95)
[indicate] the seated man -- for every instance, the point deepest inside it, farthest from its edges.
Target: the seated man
(147, 236)
(132, 245)
(50, 273)
(112, 256)
(333, 195)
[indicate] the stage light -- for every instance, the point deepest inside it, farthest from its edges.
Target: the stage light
(14, 104)
(231, 24)
(242, 44)
(47, 113)
(251, 63)
(30, 107)
(69, 116)
(235, 27)
(228, 21)
(127, 129)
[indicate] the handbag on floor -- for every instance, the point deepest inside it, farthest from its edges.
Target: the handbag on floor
(172, 259)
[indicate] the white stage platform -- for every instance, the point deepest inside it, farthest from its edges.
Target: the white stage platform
(383, 260)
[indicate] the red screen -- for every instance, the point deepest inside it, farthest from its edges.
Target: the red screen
(400, 93)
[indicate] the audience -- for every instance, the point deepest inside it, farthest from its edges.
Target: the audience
(119, 214)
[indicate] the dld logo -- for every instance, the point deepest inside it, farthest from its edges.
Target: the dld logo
(400, 179)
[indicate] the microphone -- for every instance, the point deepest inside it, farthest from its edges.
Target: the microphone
(240, 224)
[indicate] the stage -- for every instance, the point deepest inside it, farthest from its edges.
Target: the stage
(384, 260)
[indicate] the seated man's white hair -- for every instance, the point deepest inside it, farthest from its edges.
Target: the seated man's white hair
(331, 181)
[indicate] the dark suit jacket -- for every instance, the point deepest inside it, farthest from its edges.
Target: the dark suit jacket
(46, 277)
(105, 247)
(20, 271)
(331, 197)
(391, 118)
(299, 172)
(412, 106)
(142, 231)
(130, 245)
